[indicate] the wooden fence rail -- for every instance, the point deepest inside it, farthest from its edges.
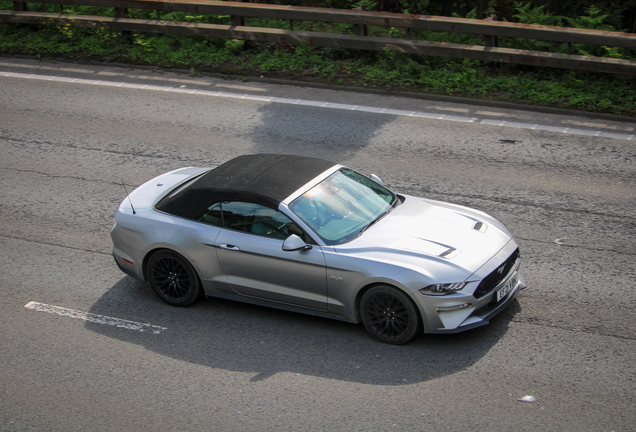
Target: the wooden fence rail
(361, 20)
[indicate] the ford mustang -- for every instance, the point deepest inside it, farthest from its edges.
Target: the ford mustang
(307, 235)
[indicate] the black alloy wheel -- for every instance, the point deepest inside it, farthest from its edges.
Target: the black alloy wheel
(173, 279)
(389, 315)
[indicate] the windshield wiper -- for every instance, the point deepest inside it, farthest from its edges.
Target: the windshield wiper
(393, 204)
(374, 221)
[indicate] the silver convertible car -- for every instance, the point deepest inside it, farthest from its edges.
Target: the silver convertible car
(308, 235)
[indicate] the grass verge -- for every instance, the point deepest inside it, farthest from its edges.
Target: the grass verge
(386, 70)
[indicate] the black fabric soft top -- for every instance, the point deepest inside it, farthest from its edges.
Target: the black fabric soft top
(264, 179)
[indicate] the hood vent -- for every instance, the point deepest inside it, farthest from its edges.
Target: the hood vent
(480, 226)
(449, 253)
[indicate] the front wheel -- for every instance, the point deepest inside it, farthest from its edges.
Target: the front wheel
(173, 279)
(389, 315)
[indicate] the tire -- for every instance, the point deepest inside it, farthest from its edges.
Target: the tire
(173, 279)
(389, 315)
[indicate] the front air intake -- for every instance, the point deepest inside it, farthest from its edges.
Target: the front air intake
(491, 281)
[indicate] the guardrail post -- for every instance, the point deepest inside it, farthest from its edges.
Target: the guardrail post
(492, 41)
(237, 20)
(121, 12)
(362, 30)
(19, 6)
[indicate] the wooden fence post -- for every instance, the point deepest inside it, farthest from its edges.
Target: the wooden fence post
(362, 30)
(121, 12)
(236, 20)
(492, 41)
(19, 6)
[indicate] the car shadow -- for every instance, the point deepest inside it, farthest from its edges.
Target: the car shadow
(239, 337)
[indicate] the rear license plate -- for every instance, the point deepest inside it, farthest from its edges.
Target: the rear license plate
(503, 292)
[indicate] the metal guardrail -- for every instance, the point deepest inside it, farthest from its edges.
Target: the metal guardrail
(361, 21)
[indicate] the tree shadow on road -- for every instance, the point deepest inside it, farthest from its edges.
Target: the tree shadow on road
(234, 336)
(315, 131)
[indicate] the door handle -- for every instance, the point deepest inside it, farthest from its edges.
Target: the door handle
(229, 247)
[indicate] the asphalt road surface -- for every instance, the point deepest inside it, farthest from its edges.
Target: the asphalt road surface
(85, 348)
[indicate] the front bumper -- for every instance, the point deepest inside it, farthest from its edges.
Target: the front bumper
(459, 312)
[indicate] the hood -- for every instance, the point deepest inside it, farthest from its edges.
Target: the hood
(431, 235)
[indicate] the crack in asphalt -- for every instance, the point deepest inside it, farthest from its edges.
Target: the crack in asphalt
(525, 203)
(543, 164)
(578, 246)
(534, 322)
(53, 244)
(56, 176)
(76, 147)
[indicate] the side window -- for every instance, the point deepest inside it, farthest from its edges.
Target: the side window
(258, 219)
(212, 215)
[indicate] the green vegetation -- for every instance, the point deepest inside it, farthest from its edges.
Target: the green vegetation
(384, 70)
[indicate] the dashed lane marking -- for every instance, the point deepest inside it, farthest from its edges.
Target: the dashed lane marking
(94, 318)
(376, 110)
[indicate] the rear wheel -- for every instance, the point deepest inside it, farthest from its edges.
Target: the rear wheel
(173, 279)
(389, 315)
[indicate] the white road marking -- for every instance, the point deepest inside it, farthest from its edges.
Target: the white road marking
(94, 318)
(376, 110)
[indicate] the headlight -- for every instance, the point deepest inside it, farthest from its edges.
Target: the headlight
(443, 289)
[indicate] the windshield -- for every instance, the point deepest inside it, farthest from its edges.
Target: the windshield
(340, 207)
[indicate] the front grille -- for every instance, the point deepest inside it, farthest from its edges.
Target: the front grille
(491, 281)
